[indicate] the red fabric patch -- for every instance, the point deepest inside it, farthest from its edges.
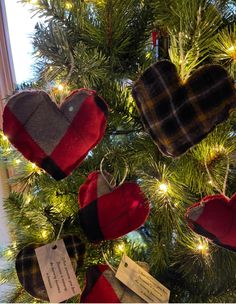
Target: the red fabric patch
(102, 291)
(218, 217)
(17, 133)
(88, 191)
(123, 210)
(79, 143)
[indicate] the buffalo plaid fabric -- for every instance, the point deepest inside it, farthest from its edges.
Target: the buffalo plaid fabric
(107, 214)
(178, 116)
(103, 287)
(28, 270)
(56, 138)
(215, 218)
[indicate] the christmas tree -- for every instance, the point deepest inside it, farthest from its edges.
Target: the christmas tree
(106, 45)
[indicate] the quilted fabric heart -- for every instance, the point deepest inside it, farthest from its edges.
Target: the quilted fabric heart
(178, 116)
(103, 287)
(56, 138)
(215, 218)
(28, 271)
(106, 213)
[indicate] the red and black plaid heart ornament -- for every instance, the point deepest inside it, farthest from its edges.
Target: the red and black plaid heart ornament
(57, 139)
(215, 218)
(103, 287)
(107, 212)
(177, 115)
(28, 270)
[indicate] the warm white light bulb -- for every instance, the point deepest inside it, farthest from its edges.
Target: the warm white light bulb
(121, 247)
(4, 137)
(17, 161)
(44, 233)
(163, 187)
(231, 49)
(60, 87)
(200, 247)
(203, 248)
(28, 199)
(68, 5)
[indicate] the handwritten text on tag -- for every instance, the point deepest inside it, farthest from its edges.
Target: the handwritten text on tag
(141, 282)
(57, 272)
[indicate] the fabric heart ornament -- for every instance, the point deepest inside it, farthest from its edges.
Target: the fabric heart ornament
(106, 213)
(177, 115)
(28, 271)
(57, 139)
(215, 218)
(103, 287)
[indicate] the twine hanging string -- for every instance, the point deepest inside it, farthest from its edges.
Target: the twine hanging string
(112, 182)
(225, 179)
(226, 176)
(67, 79)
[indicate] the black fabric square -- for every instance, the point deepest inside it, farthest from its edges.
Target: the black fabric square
(88, 218)
(50, 166)
(163, 109)
(186, 114)
(169, 127)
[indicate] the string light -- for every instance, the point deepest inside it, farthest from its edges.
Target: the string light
(120, 248)
(232, 52)
(4, 137)
(219, 149)
(28, 199)
(202, 247)
(44, 234)
(33, 165)
(68, 5)
(210, 182)
(9, 253)
(163, 187)
(37, 53)
(60, 87)
(33, 2)
(231, 49)
(35, 168)
(17, 161)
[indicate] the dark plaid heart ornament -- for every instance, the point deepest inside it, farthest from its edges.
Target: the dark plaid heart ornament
(56, 138)
(215, 218)
(28, 271)
(178, 116)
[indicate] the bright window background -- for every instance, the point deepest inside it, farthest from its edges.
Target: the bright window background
(21, 26)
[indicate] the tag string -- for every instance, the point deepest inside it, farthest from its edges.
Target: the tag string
(59, 233)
